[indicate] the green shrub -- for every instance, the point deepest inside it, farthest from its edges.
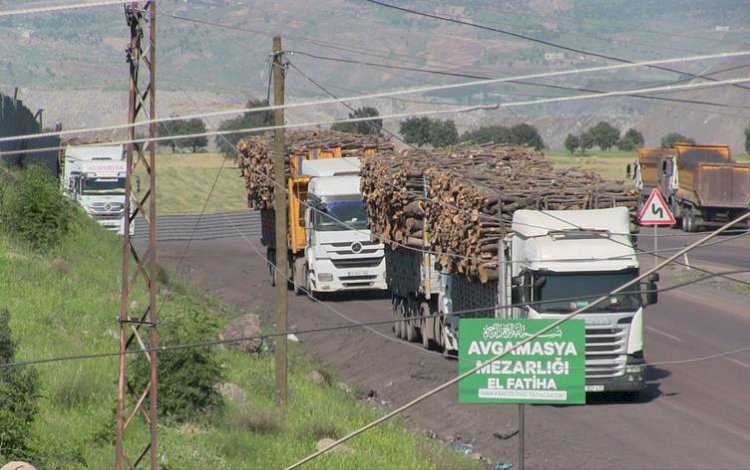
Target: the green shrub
(187, 377)
(34, 210)
(18, 397)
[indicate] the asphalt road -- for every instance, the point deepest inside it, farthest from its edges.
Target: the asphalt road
(693, 415)
(730, 250)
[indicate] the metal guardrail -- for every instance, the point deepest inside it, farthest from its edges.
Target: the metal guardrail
(207, 227)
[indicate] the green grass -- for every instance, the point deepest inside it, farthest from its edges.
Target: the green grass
(184, 181)
(611, 165)
(67, 303)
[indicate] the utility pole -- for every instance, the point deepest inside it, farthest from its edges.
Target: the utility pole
(279, 205)
(134, 404)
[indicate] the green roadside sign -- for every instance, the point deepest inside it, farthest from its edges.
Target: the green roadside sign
(550, 369)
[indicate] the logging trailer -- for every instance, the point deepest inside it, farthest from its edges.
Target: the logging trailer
(328, 242)
(552, 263)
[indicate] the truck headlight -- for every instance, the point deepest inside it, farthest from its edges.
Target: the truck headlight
(325, 277)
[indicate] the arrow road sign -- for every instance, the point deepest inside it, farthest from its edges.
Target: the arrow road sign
(656, 211)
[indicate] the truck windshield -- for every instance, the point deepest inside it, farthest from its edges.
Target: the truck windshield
(340, 215)
(582, 288)
(109, 186)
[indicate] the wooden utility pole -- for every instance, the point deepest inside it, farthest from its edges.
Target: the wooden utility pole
(139, 406)
(279, 206)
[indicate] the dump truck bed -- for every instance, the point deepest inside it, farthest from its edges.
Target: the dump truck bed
(725, 185)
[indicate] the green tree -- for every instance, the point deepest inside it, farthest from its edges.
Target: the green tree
(631, 140)
(605, 135)
(191, 127)
(486, 134)
(416, 130)
(18, 397)
(669, 140)
(586, 141)
(747, 139)
(526, 134)
(169, 129)
(572, 142)
(443, 133)
(227, 143)
(370, 126)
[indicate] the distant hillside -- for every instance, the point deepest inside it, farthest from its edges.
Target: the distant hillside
(73, 64)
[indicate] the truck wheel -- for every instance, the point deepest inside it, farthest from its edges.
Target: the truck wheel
(400, 315)
(271, 255)
(411, 310)
(688, 218)
(428, 327)
(298, 275)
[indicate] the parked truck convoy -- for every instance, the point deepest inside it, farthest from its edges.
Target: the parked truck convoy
(94, 177)
(329, 246)
(701, 183)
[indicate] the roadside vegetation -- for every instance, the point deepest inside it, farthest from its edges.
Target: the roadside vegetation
(63, 300)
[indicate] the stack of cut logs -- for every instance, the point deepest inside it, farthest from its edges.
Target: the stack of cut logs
(460, 201)
(256, 157)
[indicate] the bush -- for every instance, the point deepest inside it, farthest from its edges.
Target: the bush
(33, 209)
(526, 134)
(370, 126)
(631, 140)
(443, 133)
(18, 397)
(669, 140)
(187, 377)
(485, 134)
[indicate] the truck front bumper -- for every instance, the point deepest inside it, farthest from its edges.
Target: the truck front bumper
(633, 380)
(328, 278)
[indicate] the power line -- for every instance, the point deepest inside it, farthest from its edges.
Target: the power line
(384, 94)
(533, 39)
(497, 357)
(458, 110)
(63, 7)
(352, 324)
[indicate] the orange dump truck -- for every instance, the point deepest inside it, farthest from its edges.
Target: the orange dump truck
(702, 184)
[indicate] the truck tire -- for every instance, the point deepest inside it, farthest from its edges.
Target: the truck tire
(298, 276)
(400, 316)
(427, 330)
(411, 310)
(271, 256)
(688, 220)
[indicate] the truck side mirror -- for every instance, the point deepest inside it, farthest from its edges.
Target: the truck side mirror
(628, 170)
(516, 281)
(540, 281)
(664, 166)
(653, 278)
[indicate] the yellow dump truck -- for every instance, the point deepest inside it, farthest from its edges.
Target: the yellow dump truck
(701, 183)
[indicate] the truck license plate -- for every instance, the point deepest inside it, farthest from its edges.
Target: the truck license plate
(594, 388)
(358, 273)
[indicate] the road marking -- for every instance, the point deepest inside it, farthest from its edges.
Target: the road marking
(659, 332)
(739, 363)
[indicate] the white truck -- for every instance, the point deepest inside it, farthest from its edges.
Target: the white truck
(553, 263)
(95, 178)
(329, 243)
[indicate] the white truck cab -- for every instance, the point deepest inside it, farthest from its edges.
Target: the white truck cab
(555, 262)
(95, 178)
(339, 255)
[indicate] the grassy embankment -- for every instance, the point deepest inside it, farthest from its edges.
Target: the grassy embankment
(66, 303)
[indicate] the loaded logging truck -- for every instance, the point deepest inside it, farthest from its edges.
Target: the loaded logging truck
(701, 183)
(328, 240)
(94, 176)
(552, 263)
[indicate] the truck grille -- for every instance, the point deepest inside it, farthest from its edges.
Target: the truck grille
(356, 263)
(606, 351)
(345, 248)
